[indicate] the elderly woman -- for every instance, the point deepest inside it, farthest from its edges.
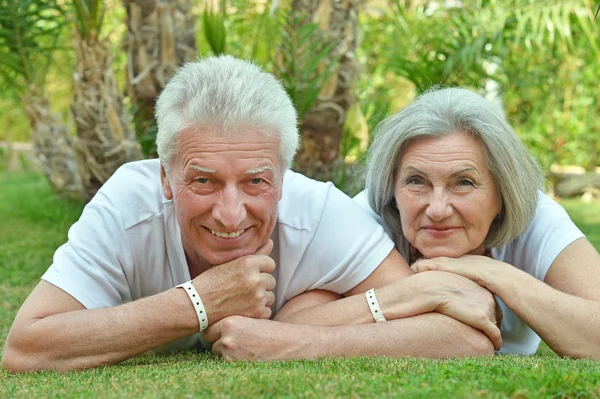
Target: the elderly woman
(457, 191)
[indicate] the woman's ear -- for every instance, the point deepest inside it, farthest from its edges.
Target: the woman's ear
(166, 186)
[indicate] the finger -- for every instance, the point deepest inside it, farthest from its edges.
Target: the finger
(213, 333)
(423, 265)
(268, 281)
(491, 328)
(494, 334)
(217, 348)
(266, 264)
(499, 315)
(265, 249)
(270, 298)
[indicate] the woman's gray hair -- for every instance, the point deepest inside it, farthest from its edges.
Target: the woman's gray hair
(229, 94)
(441, 112)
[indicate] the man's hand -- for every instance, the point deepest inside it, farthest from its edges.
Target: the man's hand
(243, 338)
(241, 287)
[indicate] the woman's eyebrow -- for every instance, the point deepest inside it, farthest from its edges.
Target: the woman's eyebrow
(413, 169)
(469, 169)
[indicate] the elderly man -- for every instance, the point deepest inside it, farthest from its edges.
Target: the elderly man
(220, 234)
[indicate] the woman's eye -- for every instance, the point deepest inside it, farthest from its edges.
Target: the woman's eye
(202, 180)
(414, 180)
(465, 182)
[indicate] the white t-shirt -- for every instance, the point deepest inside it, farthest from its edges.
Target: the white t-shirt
(127, 243)
(550, 231)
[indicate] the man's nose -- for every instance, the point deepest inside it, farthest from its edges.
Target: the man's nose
(230, 211)
(439, 207)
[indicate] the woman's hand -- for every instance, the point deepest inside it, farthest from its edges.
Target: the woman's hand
(456, 297)
(480, 269)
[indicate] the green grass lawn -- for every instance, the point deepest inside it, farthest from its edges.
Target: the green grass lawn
(33, 223)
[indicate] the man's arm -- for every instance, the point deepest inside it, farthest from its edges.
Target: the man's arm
(52, 330)
(430, 335)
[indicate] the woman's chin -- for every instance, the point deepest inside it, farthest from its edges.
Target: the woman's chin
(441, 252)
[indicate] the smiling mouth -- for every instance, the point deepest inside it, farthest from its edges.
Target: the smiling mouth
(220, 234)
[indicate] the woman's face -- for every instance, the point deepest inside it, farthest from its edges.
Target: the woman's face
(446, 195)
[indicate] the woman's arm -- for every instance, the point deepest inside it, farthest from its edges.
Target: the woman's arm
(403, 297)
(564, 310)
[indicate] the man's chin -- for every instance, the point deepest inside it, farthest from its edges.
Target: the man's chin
(220, 258)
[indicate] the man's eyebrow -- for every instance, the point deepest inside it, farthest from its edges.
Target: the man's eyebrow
(258, 170)
(204, 170)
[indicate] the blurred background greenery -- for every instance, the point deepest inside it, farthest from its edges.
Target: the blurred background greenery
(346, 64)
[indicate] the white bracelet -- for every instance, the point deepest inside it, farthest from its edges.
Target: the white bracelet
(189, 288)
(374, 306)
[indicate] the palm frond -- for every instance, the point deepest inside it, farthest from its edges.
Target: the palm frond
(306, 62)
(28, 34)
(88, 16)
(214, 30)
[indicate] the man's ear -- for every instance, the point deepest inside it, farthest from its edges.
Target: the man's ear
(164, 181)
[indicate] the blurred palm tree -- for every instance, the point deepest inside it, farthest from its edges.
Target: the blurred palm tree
(161, 36)
(322, 121)
(105, 139)
(28, 37)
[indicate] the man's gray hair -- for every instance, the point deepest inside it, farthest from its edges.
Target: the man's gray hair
(441, 112)
(231, 95)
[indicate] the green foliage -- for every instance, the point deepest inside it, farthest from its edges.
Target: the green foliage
(425, 51)
(28, 35)
(302, 60)
(89, 15)
(542, 57)
(253, 31)
(306, 62)
(214, 29)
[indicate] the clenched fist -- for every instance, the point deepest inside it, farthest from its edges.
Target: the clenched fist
(241, 287)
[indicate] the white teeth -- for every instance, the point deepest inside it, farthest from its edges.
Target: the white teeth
(226, 235)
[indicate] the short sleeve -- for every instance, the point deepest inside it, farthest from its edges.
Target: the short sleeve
(548, 234)
(89, 266)
(348, 245)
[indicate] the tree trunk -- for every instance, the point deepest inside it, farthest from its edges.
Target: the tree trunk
(161, 37)
(323, 125)
(52, 147)
(572, 185)
(104, 140)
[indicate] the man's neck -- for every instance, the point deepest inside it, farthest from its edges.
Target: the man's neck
(196, 265)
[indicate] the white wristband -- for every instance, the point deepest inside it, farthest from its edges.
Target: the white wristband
(189, 288)
(374, 306)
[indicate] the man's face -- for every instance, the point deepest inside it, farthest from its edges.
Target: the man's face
(226, 191)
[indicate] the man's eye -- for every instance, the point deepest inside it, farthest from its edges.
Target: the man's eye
(202, 180)
(256, 180)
